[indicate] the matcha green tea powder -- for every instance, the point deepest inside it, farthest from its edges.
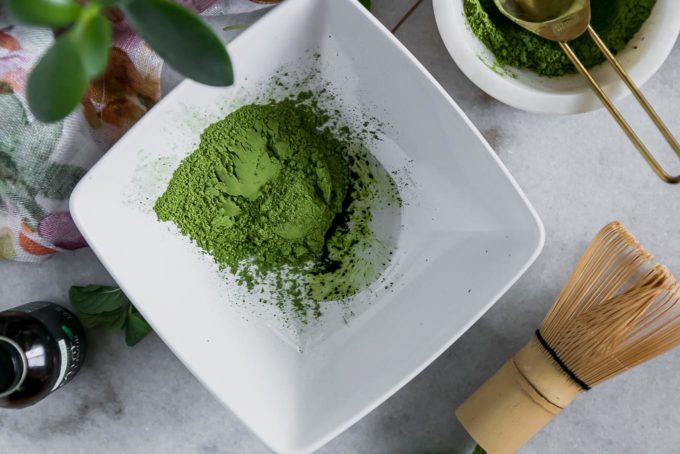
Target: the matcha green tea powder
(616, 21)
(271, 193)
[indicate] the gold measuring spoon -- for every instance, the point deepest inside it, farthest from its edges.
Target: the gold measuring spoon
(566, 20)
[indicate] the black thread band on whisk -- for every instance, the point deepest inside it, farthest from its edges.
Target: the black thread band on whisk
(557, 359)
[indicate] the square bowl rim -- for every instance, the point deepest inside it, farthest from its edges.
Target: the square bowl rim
(539, 241)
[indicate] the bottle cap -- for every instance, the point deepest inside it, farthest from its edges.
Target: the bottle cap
(12, 366)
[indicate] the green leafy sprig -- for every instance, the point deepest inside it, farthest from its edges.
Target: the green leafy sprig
(101, 305)
(79, 54)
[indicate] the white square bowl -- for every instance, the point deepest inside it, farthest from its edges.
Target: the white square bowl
(468, 233)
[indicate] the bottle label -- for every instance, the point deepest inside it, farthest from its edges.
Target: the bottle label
(65, 360)
(67, 332)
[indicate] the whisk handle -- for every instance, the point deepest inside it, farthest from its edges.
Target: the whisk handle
(518, 401)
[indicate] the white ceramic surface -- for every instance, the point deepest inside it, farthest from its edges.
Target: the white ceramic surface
(468, 232)
(569, 94)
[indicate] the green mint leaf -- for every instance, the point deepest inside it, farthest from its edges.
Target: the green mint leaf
(182, 39)
(478, 450)
(366, 3)
(136, 328)
(92, 36)
(114, 319)
(48, 13)
(122, 318)
(101, 305)
(58, 82)
(98, 299)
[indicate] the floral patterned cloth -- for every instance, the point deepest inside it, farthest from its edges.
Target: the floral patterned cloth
(40, 163)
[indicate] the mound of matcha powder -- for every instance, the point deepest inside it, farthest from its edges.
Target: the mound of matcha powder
(269, 189)
(616, 21)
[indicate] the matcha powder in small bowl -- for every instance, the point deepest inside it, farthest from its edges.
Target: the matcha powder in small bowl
(616, 21)
(277, 199)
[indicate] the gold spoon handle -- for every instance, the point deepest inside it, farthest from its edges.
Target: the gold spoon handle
(644, 151)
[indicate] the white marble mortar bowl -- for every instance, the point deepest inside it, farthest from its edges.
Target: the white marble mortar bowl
(526, 90)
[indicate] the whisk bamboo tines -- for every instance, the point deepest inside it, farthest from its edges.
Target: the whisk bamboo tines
(618, 309)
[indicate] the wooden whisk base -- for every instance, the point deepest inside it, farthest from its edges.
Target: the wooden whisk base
(518, 401)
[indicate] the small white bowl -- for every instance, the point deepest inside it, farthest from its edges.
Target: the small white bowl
(569, 94)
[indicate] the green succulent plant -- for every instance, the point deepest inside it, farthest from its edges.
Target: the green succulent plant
(80, 51)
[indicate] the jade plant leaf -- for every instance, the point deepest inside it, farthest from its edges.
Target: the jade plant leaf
(93, 38)
(105, 3)
(182, 39)
(58, 82)
(48, 13)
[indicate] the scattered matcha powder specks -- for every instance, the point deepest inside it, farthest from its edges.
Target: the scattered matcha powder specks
(616, 21)
(272, 192)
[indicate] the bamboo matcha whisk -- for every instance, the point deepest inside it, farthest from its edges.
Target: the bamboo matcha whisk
(617, 310)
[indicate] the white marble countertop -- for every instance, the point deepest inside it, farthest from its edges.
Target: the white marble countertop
(580, 172)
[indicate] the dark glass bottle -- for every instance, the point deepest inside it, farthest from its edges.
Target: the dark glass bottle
(42, 346)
